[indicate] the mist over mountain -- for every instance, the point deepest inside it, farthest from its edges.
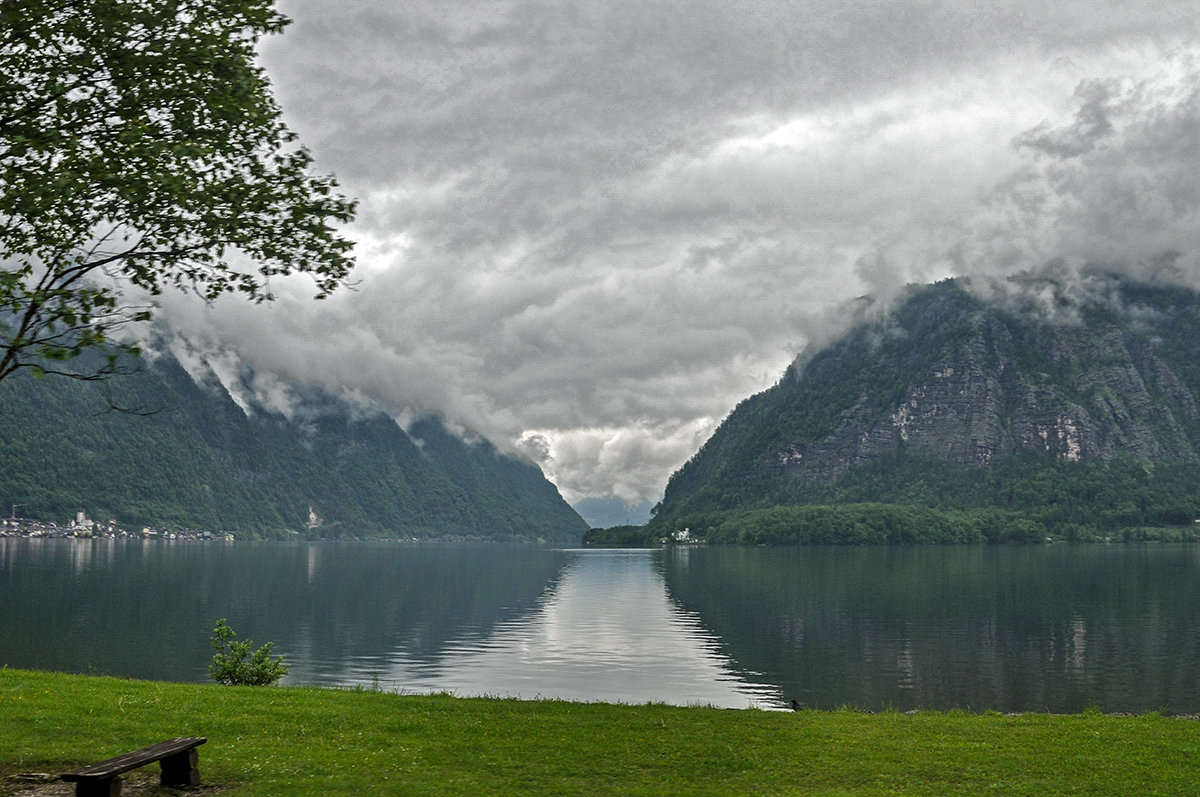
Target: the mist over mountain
(607, 512)
(1071, 407)
(587, 230)
(200, 452)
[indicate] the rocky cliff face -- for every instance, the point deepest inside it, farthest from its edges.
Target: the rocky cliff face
(970, 383)
(1103, 393)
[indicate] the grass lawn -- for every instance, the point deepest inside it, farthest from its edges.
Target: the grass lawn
(281, 741)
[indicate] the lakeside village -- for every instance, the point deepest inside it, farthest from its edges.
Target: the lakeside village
(83, 527)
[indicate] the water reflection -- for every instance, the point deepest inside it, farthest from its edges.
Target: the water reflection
(473, 619)
(604, 631)
(359, 604)
(1055, 628)
(146, 610)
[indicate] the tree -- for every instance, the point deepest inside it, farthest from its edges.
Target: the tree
(234, 665)
(140, 150)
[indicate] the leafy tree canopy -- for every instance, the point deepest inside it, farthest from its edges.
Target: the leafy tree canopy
(140, 146)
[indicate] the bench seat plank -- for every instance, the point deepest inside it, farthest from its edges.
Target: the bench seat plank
(179, 759)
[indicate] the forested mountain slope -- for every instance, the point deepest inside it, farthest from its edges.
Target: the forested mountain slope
(200, 460)
(1039, 411)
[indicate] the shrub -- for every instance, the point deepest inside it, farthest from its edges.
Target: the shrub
(234, 665)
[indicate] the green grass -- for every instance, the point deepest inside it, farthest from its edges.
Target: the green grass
(305, 741)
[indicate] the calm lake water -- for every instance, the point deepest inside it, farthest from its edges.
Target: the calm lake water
(1056, 628)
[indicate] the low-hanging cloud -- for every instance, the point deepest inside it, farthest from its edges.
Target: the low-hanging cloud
(1112, 188)
(588, 229)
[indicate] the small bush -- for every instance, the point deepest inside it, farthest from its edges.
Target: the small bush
(234, 665)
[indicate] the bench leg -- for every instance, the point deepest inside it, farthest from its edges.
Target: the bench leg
(107, 787)
(182, 769)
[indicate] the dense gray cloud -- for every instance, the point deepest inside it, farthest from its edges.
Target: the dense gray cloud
(588, 229)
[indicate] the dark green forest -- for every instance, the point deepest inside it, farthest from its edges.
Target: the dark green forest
(154, 448)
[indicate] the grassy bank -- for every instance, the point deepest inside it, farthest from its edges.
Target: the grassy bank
(301, 741)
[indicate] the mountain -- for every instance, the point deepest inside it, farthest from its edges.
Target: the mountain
(607, 512)
(1044, 409)
(193, 456)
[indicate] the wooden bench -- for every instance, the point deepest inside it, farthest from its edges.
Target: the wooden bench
(179, 759)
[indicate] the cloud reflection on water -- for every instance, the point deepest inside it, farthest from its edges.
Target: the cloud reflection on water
(606, 630)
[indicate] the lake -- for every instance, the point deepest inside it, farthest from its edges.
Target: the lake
(1048, 628)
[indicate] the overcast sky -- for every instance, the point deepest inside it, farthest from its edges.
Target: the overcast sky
(588, 229)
